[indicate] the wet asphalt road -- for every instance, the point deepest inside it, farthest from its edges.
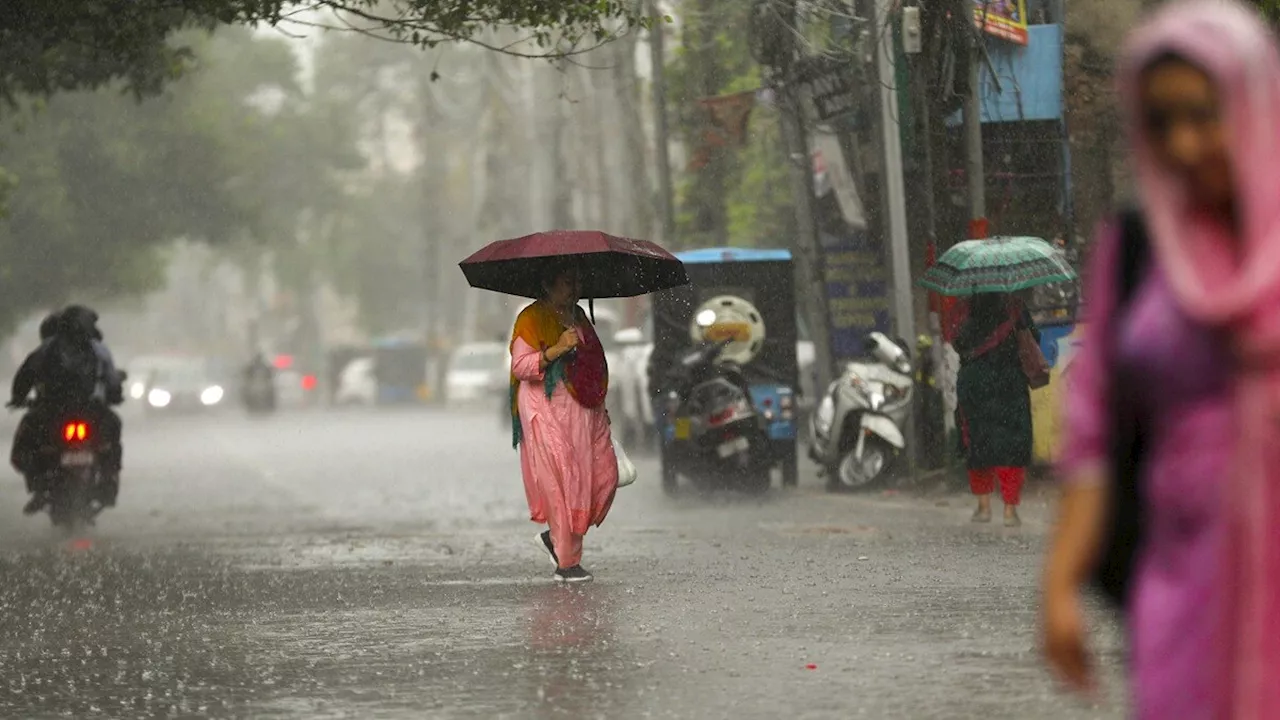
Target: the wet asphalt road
(365, 565)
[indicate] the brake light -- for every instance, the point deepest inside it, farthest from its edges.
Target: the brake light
(309, 382)
(75, 432)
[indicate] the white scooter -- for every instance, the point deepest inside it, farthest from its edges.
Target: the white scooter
(857, 428)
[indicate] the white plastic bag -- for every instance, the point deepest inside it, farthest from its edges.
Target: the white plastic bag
(626, 469)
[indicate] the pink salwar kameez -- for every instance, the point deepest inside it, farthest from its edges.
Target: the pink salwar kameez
(566, 457)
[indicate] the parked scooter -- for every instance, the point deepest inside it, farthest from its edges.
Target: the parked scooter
(719, 437)
(857, 429)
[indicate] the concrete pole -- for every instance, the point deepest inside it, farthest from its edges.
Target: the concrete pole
(895, 190)
(904, 318)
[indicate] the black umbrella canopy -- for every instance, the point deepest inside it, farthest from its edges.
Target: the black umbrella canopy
(610, 266)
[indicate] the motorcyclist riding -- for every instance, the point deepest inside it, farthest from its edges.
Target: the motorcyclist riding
(72, 369)
(259, 384)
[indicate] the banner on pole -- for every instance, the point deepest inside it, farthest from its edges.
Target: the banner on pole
(1005, 19)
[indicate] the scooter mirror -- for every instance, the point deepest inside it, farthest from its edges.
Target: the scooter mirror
(888, 352)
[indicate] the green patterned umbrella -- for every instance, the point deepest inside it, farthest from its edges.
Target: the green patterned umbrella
(997, 265)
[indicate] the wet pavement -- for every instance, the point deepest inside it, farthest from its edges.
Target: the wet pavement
(371, 565)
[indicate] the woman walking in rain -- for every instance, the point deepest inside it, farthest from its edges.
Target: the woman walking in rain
(994, 402)
(1184, 339)
(558, 382)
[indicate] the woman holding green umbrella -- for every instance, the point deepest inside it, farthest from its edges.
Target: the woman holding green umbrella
(993, 397)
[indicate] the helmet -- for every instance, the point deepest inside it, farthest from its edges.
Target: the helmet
(80, 320)
(50, 326)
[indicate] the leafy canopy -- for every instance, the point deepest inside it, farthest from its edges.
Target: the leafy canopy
(48, 46)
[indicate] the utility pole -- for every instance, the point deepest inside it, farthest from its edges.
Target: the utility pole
(904, 319)
(811, 285)
(974, 170)
(894, 185)
(661, 129)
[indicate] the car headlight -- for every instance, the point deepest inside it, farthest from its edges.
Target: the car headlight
(159, 398)
(212, 395)
(825, 415)
(137, 391)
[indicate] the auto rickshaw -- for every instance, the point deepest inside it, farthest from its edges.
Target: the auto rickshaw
(753, 295)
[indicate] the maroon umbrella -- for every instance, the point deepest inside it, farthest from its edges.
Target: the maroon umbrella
(610, 266)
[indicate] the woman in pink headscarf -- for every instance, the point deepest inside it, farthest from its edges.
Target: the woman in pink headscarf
(1188, 349)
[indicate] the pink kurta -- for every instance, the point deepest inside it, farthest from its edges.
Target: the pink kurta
(566, 456)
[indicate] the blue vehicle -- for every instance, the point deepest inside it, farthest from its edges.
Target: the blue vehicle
(744, 300)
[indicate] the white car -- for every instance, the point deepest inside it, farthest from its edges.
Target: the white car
(476, 373)
(629, 382)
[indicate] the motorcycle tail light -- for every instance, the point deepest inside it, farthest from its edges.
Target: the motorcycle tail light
(75, 432)
(722, 416)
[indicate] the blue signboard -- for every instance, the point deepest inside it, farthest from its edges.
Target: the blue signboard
(853, 266)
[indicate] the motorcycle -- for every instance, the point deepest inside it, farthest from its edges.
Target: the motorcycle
(260, 394)
(72, 451)
(857, 429)
(718, 434)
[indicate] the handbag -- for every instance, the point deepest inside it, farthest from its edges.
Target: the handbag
(1034, 364)
(626, 469)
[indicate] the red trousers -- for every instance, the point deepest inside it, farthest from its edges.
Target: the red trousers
(983, 482)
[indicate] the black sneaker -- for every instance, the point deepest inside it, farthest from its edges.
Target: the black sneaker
(543, 540)
(571, 575)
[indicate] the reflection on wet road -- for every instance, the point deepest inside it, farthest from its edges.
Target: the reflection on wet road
(380, 566)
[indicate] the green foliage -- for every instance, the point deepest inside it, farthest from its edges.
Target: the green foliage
(48, 46)
(1270, 9)
(103, 182)
(743, 196)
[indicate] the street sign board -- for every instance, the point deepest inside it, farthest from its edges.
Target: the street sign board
(829, 85)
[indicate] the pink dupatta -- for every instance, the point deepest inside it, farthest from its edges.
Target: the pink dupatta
(1231, 281)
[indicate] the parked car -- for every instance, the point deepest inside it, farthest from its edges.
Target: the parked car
(477, 371)
(629, 382)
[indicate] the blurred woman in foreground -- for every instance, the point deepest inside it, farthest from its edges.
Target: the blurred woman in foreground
(1192, 353)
